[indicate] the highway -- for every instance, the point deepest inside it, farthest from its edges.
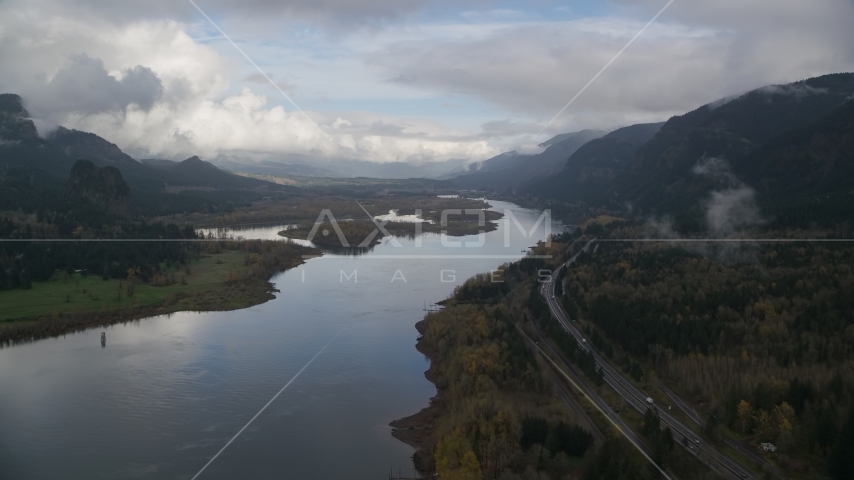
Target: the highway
(579, 382)
(718, 461)
(735, 444)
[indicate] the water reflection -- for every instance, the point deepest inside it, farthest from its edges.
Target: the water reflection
(266, 231)
(173, 389)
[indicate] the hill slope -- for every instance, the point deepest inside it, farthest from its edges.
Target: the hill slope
(806, 175)
(590, 171)
(510, 170)
(660, 176)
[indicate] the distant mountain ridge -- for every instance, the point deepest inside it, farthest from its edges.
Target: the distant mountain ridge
(510, 170)
(593, 166)
(21, 146)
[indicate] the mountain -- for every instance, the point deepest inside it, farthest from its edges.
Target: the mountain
(102, 186)
(785, 148)
(158, 163)
(590, 171)
(207, 174)
(806, 175)
(557, 139)
(77, 144)
(13, 119)
(661, 175)
(33, 169)
(510, 170)
(494, 164)
(20, 146)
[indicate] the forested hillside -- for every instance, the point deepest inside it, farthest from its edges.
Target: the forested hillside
(93, 204)
(589, 172)
(760, 339)
(786, 147)
(510, 170)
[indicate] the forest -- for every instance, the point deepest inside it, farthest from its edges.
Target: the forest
(760, 337)
(499, 414)
(499, 417)
(56, 237)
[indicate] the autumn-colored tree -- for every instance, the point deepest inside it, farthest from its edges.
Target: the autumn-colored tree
(784, 417)
(455, 459)
(745, 416)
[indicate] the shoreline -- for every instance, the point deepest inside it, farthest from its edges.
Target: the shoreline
(247, 292)
(417, 429)
(31, 329)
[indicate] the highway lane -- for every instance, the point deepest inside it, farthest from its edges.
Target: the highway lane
(735, 444)
(580, 382)
(695, 444)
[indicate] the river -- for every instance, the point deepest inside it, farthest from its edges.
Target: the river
(167, 393)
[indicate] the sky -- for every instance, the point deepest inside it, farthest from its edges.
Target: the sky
(414, 81)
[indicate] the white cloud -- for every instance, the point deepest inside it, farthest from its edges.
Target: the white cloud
(695, 53)
(153, 90)
(162, 85)
(732, 206)
(83, 86)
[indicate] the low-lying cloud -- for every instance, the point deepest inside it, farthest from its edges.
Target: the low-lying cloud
(731, 212)
(732, 207)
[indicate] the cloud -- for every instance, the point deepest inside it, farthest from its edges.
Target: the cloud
(260, 79)
(730, 210)
(261, 13)
(696, 53)
(83, 86)
(718, 170)
(732, 207)
(169, 85)
(256, 78)
(453, 105)
(501, 128)
(44, 127)
(154, 91)
(796, 90)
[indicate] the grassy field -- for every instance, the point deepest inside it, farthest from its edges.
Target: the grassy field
(76, 294)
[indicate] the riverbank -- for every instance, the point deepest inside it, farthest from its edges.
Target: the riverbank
(224, 276)
(495, 411)
(417, 430)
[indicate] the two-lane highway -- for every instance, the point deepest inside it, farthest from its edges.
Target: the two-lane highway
(637, 398)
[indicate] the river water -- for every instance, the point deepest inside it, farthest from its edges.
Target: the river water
(167, 393)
